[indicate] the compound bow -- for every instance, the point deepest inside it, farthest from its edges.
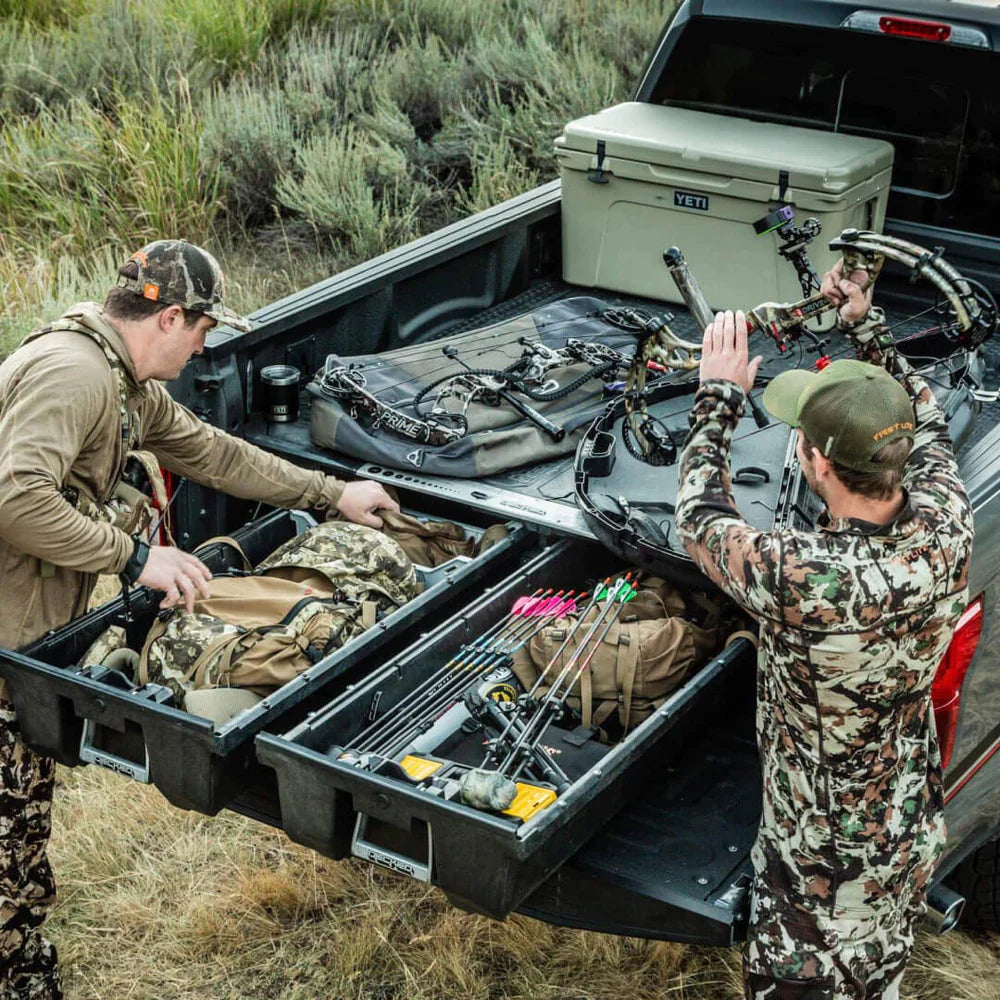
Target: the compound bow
(432, 423)
(967, 315)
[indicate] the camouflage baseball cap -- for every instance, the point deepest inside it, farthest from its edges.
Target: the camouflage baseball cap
(850, 410)
(180, 274)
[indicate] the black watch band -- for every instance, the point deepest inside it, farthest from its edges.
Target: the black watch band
(136, 562)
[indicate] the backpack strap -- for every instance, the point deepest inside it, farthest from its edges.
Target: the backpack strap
(226, 540)
(626, 666)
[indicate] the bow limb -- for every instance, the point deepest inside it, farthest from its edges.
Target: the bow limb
(928, 265)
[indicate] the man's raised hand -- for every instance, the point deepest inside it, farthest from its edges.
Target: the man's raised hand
(846, 293)
(724, 353)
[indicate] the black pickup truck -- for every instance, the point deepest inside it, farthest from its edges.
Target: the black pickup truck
(669, 859)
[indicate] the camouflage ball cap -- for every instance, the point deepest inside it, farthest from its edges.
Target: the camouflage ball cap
(850, 410)
(179, 273)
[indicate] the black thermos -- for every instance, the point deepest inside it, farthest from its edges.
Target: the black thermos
(281, 393)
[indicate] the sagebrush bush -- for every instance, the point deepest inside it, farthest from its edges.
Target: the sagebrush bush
(249, 140)
(355, 191)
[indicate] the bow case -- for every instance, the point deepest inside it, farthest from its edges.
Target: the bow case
(447, 408)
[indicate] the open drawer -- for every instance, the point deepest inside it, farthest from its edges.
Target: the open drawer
(487, 861)
(79, 715)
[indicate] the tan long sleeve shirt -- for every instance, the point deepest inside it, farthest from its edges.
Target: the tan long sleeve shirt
(61, 427)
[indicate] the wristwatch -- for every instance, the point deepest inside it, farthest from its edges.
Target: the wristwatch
(136, 561)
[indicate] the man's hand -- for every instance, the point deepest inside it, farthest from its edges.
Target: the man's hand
(176, 572)
(724, 351)
(360, 499)
(845, 293)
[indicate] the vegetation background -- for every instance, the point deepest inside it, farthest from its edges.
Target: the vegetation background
(295, 138)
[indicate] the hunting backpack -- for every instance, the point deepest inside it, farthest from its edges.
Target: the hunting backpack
(259, 630)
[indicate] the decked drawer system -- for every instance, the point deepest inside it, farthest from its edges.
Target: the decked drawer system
(75, 717)
(485, 861)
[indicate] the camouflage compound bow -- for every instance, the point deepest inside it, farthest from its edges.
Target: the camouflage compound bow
(432, 423)
(967, 315)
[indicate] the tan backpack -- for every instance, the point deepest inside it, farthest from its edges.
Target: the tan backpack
(312, 595)
(639, 662)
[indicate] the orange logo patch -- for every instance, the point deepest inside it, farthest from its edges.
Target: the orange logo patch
(886, 431)
(151, 292)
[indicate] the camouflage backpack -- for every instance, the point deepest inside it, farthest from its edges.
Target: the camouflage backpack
(312, 595)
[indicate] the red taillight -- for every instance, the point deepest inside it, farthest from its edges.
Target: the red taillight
(946, 692)
(908, 27)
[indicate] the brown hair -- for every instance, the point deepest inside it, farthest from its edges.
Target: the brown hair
(880, 485)
(122, 303)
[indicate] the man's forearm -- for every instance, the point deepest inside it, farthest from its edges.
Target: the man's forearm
(703, 481)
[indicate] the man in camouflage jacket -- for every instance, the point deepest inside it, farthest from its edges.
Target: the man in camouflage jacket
(75, 399)
(854, 619)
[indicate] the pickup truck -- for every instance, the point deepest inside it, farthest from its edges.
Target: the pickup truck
(673, 862)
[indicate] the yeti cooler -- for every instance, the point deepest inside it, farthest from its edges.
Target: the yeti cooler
(638, 178)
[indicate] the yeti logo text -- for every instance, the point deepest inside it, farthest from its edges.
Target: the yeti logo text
(684, 199)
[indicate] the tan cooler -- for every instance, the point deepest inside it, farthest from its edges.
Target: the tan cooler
(698, 181)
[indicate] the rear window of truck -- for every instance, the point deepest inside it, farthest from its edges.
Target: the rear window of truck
(938, 104)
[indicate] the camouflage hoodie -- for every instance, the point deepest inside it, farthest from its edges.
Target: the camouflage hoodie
(854, 619)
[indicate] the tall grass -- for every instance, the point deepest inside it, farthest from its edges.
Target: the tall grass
(330, 129)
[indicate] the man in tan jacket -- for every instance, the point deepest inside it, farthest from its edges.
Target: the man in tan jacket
(75, 398)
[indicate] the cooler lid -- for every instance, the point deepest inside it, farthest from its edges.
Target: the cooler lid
(734, 147)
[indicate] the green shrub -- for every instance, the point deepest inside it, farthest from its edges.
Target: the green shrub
(80, 179)
(121, 47)
(355, 192)
(43, 12)
(249, 140)
(325, 76)
(495, 175)
(230, 34)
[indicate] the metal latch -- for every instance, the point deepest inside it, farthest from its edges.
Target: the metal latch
(395, 861)
(598, 176)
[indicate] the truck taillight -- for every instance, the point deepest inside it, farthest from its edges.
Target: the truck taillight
(879, 22)
(946, 692)
(908, 27)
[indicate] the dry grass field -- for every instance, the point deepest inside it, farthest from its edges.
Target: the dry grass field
(295, 138)
(160, 904)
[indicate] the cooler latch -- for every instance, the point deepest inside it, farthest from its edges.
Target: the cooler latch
(598, 176)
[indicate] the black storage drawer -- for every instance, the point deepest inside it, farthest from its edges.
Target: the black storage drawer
(194, 763)
(483, 861)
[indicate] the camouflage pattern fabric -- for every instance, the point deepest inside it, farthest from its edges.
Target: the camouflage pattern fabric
(27, 888)
(179, 273)
(854, 619)
(342, 567)
(359, 562)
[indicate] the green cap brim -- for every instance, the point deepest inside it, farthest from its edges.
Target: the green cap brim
(782, 396)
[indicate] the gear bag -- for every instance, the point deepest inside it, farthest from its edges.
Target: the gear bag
(498, 437)
(313, 594)
(639, 662)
